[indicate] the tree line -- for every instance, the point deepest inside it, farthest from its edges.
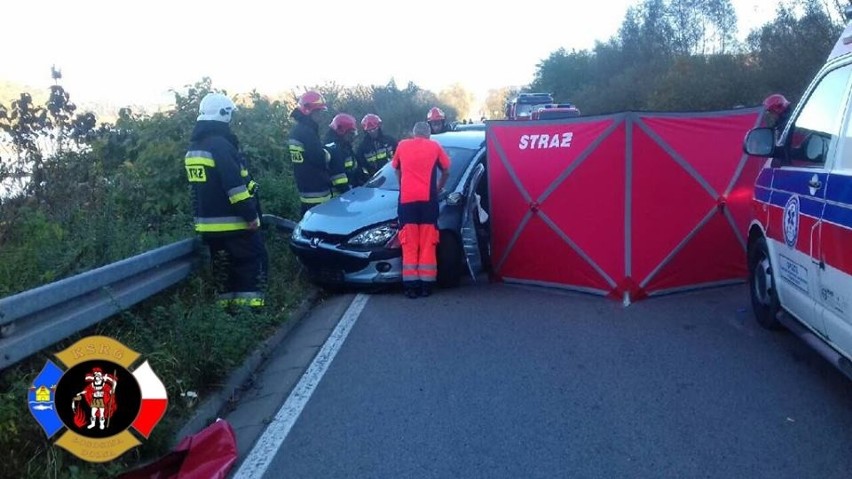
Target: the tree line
(684, 55)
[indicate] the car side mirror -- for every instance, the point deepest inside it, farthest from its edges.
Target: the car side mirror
(760, 142)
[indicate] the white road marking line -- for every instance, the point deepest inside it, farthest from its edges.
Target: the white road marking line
(265, 449)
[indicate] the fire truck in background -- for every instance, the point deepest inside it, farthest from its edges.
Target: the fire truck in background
(522, 106)
(538, 106)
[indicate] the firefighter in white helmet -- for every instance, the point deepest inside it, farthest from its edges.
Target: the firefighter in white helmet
(226, 205)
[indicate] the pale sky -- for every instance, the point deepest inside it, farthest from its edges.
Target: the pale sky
(134, 52)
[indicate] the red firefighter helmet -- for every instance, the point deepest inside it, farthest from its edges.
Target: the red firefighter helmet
(312, 101)
(96, 370)
(435, 114)
(371, 121)
(776, 103)
(343, 123)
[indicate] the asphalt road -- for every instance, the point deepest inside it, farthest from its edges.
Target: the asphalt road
(501, 381)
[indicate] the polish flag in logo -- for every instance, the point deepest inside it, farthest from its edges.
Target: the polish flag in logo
(154, 399)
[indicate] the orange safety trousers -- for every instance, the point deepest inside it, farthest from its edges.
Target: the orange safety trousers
(419, 259)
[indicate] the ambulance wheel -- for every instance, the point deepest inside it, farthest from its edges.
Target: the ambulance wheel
(450, 265)
(761, 281)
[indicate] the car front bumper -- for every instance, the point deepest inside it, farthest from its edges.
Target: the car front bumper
(330, 264)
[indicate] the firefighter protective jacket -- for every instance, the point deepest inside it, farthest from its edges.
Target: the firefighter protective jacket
(345, 170)
(224, 194)
(374, 153)
(310, 160)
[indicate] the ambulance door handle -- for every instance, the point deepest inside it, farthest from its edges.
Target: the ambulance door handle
(815, 183)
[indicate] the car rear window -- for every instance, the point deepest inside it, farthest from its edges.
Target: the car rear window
(386, 179)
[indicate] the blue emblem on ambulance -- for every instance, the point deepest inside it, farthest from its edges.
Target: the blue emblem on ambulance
(791, 221)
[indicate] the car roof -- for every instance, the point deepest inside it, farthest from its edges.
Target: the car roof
(468, 127)
(470, 139)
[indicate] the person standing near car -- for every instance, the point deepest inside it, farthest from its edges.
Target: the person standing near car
(225, 203)
(345, 172)
(437, 121)
(310, 160)
(376, 148)
(417, 161)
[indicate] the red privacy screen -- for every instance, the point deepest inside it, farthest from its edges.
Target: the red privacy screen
(625, 205)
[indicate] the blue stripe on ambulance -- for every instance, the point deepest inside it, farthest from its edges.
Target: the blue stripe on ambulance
(838, 195)
(839, 215)
(796, 181)
(839, 189)
(764, 179)
(807, 205)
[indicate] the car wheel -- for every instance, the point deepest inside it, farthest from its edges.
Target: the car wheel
(761, 281)
(450, 262)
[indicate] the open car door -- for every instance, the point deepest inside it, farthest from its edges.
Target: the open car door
(472, 218)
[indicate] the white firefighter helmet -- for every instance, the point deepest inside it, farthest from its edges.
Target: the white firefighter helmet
(217, 107)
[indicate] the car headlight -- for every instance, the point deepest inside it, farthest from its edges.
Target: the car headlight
(297, 233)
(374, 236)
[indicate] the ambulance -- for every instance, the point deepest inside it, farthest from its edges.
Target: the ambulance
(800, 238)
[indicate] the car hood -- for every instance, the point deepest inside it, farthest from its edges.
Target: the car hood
(355, 209)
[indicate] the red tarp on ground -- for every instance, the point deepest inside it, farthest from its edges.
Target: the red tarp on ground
(624, 205)
(210, 454)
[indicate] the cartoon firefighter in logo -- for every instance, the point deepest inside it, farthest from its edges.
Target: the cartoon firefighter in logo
(99, 394)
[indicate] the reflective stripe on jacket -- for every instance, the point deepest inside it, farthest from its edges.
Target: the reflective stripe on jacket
(374, 153)
(223, 192)
(345, 169)
(310, 160)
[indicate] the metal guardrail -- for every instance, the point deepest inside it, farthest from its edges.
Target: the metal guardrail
(33, 320)
(282, 225)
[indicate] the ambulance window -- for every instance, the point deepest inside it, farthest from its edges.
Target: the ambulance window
(818, 123)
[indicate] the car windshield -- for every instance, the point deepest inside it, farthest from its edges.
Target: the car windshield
(460, 158)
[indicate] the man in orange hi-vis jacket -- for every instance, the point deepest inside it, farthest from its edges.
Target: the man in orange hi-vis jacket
(417, 162)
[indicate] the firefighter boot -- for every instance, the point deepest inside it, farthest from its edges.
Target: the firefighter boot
(426, 288)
